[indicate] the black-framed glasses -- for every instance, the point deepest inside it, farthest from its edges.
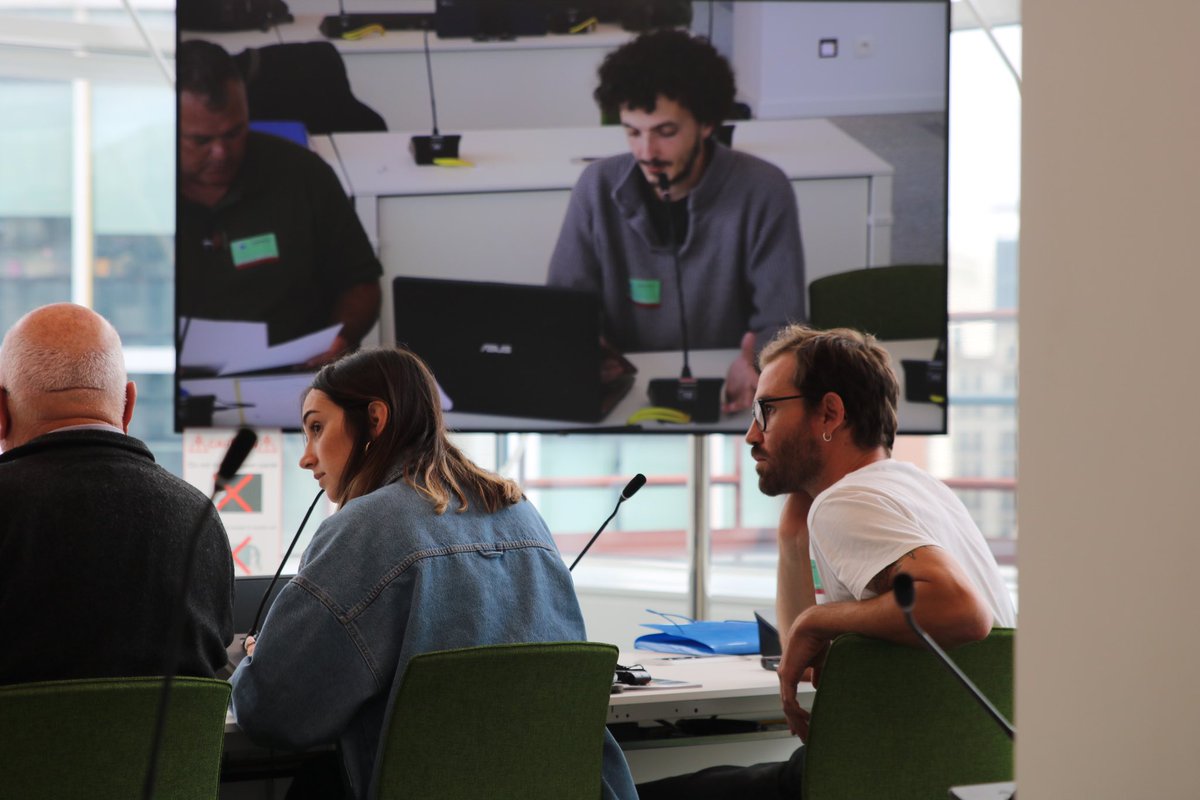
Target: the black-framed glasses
(762, 406)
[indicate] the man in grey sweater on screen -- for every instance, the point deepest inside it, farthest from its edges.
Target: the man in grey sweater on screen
(729, 217)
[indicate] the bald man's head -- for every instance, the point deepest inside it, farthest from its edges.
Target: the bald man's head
(61, 365)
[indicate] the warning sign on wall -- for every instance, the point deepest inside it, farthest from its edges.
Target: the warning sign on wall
(251, 505)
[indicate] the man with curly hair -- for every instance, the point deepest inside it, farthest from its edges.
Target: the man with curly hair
(728, 217)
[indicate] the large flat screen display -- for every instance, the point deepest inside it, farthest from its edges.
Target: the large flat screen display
(276, 250)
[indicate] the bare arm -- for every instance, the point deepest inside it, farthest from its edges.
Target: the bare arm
(741, 379)
(357, 309)
(794, 590)
(948, 608)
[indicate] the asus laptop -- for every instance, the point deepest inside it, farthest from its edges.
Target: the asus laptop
(516, 350)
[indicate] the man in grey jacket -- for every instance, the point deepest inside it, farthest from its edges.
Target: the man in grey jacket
(728, 217)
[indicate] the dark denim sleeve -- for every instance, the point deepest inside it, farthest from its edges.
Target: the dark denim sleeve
(616, 780)
(307, 678)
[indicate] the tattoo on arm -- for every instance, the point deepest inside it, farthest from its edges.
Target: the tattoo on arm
(882, 582)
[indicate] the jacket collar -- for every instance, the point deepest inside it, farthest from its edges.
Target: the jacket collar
(78, 437)
(629, 199)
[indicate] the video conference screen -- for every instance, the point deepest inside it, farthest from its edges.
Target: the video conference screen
(306, 224)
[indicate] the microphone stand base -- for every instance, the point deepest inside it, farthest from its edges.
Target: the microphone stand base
(699, 398)
(425, 149)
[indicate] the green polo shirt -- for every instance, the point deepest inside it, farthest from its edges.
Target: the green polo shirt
(281, 247)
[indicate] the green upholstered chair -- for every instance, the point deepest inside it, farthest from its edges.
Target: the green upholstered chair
(901, 302)
(500, 721)
(92, 738)
(891, 721)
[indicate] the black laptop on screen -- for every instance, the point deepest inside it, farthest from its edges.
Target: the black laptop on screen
(517, 350)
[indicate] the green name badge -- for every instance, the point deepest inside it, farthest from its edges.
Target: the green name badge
(646, 291)
(254, 250)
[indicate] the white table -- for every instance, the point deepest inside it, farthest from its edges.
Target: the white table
(731, 686)
(1005, 790)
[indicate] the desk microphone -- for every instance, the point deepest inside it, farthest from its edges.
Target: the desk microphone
(427, 148)
(664, 188)
(336, 27)
(631, 488)
(906, 596)
(239, 448)
(699, 398)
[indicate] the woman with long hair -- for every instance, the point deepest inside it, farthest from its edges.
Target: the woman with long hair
(426, 552)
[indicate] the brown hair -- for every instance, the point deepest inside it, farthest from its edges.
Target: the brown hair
(852, 365)
(413, 442)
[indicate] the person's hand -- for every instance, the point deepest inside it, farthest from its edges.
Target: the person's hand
(612, 364)
(337, 349)
(248, 645)
(742, 378)
(803, 652)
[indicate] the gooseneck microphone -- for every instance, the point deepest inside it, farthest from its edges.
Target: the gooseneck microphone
(664, 187)
(239, 448)
(425, 149)
(906, 596)
(263, 603)
(699, 398)
(631, 488)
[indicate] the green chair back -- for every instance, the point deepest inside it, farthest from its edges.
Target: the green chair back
(62, 740)
(891, 721)
(500, 721)
(900, 302)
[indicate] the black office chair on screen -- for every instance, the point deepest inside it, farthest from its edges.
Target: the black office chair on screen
(304, 81)
(907, 301)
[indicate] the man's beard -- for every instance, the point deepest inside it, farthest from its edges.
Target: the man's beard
(794, 463)
(689, 165)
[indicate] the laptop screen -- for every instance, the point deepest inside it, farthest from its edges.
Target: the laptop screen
(514, 350)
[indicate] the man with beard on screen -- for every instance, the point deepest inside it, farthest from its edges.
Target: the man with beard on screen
(728, 217)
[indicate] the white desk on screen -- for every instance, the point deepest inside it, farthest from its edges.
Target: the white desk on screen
(914, 417)
(499, 219)
(531, 81)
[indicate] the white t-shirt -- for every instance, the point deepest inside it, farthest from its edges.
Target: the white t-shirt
(873, 516)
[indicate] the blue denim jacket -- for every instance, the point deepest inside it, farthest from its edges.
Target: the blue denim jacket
(385, 579)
